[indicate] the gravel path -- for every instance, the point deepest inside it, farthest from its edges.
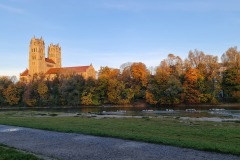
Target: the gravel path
(72, 146)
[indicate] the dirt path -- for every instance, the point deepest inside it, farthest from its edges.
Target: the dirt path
(72, 146)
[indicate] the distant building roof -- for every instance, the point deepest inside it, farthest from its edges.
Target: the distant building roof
(49, 60)
(66, 70)
(25, 73)
(222, 69)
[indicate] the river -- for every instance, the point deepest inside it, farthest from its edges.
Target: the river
(182, 111)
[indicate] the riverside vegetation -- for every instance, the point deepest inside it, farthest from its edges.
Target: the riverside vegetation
(199, 79)
(203, 135)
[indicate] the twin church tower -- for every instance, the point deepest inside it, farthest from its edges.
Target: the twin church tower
(37, 61)
(52, 65)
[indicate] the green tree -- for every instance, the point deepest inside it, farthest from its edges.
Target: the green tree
(172, 93)
(31, 96)
(71, 90)
(231, 85)
(102, 90)
(90, 91)
(43, 93)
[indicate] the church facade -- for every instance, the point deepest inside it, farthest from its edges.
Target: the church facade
(52, 64)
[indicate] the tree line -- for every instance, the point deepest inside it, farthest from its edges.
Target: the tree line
(199, 79)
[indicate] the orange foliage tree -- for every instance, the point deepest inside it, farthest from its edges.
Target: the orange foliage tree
(191, 92)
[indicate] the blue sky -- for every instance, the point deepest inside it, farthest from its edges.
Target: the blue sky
(112, 32)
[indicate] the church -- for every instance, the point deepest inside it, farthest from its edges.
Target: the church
(52, 65)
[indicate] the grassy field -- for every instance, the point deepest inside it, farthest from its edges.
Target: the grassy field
(210, 136)
(13, 154)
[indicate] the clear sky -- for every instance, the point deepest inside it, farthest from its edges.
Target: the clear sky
(112, 32)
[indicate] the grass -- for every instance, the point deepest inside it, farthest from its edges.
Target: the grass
(7, 153)
(208, 136)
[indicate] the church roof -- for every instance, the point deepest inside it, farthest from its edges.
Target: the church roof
(49, 60)
(25, 73)
(66, 70)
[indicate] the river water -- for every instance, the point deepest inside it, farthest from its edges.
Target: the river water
(185, 111)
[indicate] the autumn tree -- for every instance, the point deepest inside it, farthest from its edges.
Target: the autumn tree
(190, 87)
(114, 91)
(126, 76)
(175, 64)
(163, 72)
(118, 93)
(4, 83)
(196, 58)
(139, 78)
(89, 95)
(231, 77)
(105, 75)
(156, 85)
(108, 73)
(12, 95)
(165, 88)
(209, 81)
(139, 73)
(231, 58)
(124, 66)
(87, 99)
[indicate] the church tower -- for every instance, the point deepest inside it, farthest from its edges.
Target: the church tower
(36, 56)
(54, 53)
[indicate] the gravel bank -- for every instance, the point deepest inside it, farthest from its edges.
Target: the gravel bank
(72, 146)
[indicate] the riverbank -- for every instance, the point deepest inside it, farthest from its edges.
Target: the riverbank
(202, 135)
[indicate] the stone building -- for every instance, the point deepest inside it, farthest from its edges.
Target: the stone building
(52, 65)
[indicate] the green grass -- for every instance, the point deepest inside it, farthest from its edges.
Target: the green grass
(209, 136)
(7, 153)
